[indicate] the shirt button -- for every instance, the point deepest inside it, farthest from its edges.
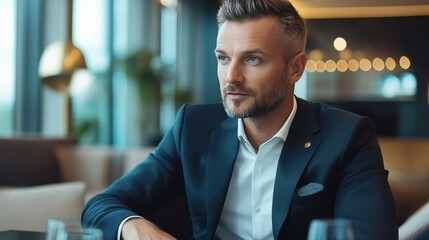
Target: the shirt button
(257, 210)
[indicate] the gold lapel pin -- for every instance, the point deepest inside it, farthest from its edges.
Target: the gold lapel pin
(307, 144)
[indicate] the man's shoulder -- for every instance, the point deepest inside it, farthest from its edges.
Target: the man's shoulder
(333, 121)
(331, 117)
(323, 110)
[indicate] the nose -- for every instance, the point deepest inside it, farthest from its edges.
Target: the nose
(234, 72)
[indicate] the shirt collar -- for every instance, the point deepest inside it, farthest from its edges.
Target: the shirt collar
(282, 133)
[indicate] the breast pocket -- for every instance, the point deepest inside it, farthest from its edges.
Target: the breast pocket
(320, 197)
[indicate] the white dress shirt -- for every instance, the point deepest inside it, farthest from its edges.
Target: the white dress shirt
(248, 205)
(247, 212)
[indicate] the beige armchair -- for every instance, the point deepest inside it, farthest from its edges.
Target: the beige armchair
(42, 178)
(408, 163)
(30, 187)
(97, 166)
(29, 208)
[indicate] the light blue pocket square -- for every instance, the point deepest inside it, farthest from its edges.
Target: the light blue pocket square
(310, 189)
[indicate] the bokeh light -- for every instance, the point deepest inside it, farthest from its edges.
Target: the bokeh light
(315, 55)
(390, 64)
(378, 64)
(408, 83)
(346, 54)
(404, 62)
(342, 65)
(340, 44)
(391, 86)
(331, 66)
(353, 65)
(311, 66)
(320, 66)
(365, 65)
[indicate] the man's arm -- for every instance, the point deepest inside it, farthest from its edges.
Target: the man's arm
(364, 195)
(148, 187)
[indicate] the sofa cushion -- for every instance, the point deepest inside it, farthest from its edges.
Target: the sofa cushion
(30, 161)
(91, 164)
(29, 208)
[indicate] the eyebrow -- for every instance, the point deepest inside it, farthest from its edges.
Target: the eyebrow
(217, 50)
(246, 52)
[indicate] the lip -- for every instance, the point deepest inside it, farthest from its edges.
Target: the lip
(237, 95)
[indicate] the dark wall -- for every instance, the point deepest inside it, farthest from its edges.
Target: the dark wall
(394, 36)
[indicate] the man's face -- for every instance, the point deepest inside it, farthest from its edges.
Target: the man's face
(251, 69)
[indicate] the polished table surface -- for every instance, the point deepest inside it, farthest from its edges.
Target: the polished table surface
(21, 235)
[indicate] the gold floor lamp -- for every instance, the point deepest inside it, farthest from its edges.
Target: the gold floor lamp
(58, 63)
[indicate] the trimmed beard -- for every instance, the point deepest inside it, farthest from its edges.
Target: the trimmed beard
(258, 108)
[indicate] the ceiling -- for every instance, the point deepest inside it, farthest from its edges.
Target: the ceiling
(361, 8)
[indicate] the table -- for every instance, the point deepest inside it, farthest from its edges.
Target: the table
(21, 235)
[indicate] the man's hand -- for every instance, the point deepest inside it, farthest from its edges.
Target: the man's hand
(142, 229)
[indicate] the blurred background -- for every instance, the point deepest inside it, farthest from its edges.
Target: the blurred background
(89, 87)
(145, 58)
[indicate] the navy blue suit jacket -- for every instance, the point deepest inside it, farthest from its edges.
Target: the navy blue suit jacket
(197, 156)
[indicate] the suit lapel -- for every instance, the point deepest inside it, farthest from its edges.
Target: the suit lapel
(220, 164)
(293, 160)
(297, 151)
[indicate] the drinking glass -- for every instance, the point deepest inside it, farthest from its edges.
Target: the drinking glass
(60, 230)
(330, 229)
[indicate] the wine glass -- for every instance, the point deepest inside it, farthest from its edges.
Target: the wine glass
(60, 230)
(330, 229)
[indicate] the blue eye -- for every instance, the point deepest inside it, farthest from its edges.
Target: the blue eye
(222, 58)
(253, 59)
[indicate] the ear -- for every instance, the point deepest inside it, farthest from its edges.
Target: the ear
(296, 67)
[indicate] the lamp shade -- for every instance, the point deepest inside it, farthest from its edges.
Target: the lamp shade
(57, 64)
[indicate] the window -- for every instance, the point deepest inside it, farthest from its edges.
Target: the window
(168, 56)
(111, 103)
(7, 64)
(89, 90)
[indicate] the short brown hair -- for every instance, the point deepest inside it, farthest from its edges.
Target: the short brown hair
(291, 23)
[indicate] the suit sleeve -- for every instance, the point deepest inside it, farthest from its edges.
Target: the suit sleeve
(364, 195)
(149, 186)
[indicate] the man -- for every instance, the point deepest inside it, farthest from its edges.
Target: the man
(271, 163)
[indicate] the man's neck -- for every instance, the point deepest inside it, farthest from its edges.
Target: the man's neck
(260, 129)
